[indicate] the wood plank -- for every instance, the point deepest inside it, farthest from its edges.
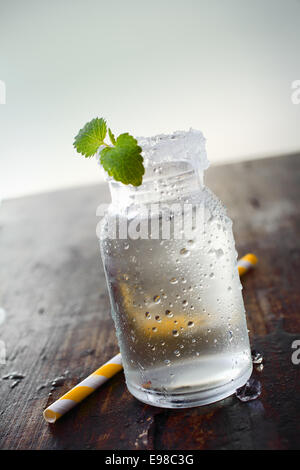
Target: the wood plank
(52, 288)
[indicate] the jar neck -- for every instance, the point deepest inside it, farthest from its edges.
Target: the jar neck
(157, 189)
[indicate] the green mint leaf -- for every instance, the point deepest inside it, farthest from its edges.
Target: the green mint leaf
(124, 162)
(90, 137)
(112, 137)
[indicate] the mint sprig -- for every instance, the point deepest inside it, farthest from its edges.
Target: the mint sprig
(121, 159)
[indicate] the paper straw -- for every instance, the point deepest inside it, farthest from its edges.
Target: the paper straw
(110, 368)
(246, 262)
(83, 389)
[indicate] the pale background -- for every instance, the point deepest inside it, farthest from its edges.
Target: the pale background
(222, 66)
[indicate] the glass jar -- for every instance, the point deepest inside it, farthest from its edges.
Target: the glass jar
(171, 268)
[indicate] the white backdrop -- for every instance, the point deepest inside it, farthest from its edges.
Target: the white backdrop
(225, 67)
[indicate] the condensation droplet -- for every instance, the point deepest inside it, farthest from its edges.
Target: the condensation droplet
(190, 324)
(184, 252)
(156, 299)
(175, 333)
(173, 280)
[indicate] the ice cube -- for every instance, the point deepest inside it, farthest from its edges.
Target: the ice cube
(250, 391)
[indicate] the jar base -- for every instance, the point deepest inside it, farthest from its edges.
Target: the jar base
(189, 399)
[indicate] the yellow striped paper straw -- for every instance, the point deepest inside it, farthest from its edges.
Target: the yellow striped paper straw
(246, 262)
(83, 389)
(110, 368)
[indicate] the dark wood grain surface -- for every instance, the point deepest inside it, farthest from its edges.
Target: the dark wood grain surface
(53, 291)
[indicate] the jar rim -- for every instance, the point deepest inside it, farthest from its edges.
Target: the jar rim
(178, 146)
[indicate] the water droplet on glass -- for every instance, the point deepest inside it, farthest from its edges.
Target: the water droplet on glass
(147, 315)
(169, 313)
(175, 333)
(154, 329)
(190, 324)
(177, 353)
(157, 318)
(184, 252)
(173, 280)
(156, 299)
(211, 275)
(184, 303)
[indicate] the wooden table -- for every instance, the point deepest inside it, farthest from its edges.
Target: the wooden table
(53, 290)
